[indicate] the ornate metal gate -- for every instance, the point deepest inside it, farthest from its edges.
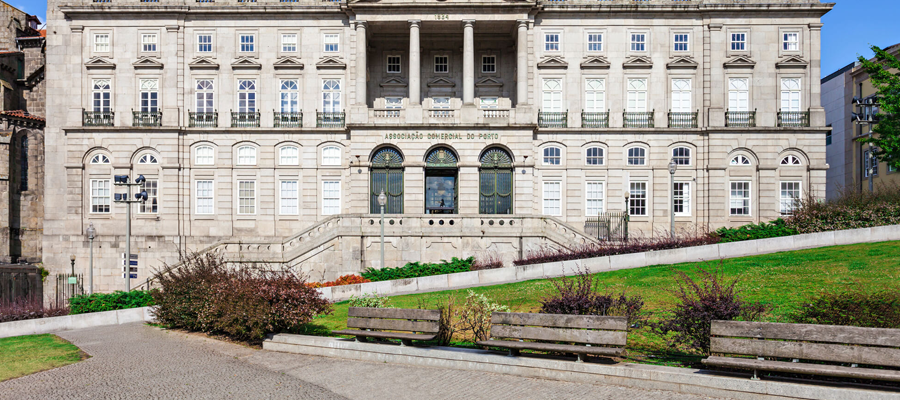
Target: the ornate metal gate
(386, 174)
(495, 183)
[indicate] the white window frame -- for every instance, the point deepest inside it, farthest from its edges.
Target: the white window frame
(393, 64)
(637, 95)
(594, 198)
(246, 197)
(148, 159)
(290, 204)
(546, 201)
(100, 159)
(489, 102)
(247, 96)
(631, 160)
(331, 96)
(638, 191)
(746, 202)
(737, 41)
(440, 102)
(393, 102)
(289, 155)
(201, 43)
(740, 160)
(639, 41)
(594, 42)
(551, 95)
(248, 45)
(149, 95)
(488, 64)
(329, 209)
(289, 42)
(682, 155)
(553, 41)
(787, 205)
(601, 157)
(682, 93)
(101, 196)
(683, 195)
(595, 95)
(445, 63)
(101, 95)
(331, 42)
(791, 159)
(788, 45)
(199, 159)
(289, 95)
(547, 156)
(151, 206)
(205, 96)
(149, 43)
(204, 201)
(102, 42)
(331, 156)
(246, 155)
(738, 94)
(791, 94)
(685, 44)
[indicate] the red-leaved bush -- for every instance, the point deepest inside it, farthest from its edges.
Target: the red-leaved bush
(579, 296)
(638, 245)
(850, 210)
(343, 280)
(28, 309)
(487, 261)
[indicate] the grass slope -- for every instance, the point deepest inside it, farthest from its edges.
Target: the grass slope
(782, 280)
(25, 355)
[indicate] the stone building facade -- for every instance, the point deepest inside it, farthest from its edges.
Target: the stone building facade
(268, 128)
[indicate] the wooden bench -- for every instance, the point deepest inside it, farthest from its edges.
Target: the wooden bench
(374, 322)
(839, 344)
(592, 334)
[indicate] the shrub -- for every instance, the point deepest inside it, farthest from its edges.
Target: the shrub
(474, 317)
(662, 242)
(417, 269)
(370, 301)
(447, 310)
(487, 261)
(344, 280)
(117, 300)
(700, 302)
(578, 296)
(776, 228)
(850, 210)
(28, 309)
(854, 307)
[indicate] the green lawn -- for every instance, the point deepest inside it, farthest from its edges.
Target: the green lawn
(782, 280)
(24, 355)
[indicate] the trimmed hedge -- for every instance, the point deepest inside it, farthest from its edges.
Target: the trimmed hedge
(763, 230)
(117, 300)
(417, 269)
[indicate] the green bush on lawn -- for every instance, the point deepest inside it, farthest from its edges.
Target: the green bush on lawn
(763, 230)
(117, 300)
(417, 269)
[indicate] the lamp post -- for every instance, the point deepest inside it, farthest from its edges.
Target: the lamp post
(90, 232)
(72, 277)
(672, 167)
(382, 200)
(122, 180)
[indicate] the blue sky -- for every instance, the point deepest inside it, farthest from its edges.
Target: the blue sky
(849, 29)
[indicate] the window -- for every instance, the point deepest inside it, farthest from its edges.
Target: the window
(246, 155)
(637, 198)
(204, 197)
(148, 42)
(151, 206)
(205, 91)
(790, 160)
(100, 95)
(100, 159)
(203, 155)
(681, 199)
(552, 95)
(595, 95)
(148, 159)
(248, 43)
(637, 156)
(682, 42)
(681, 95)
(289, 198)
(101, 43)
(790, 197)
(23, 168)
(790, 94)
(331, 155)
(791, 41)
(552, 156)
(552, 198)
(149, 95)
(332, 41)
(738, 41)
(551, 41)
(593, 199)
(595, 42)
(740, 160)
(289, 42)
(441, 64)
(637, 95)
(331, 95)
(100, 195)
(246, 96)
(289, 95)
(393, 102)
(681, 155)
(868, 155)
(489, 102)
(594, 156)
(289, 155)
(204, 43)
(393, 64)
(638, 42)
(740, 198)
(828, 136)
(331, 197)
(488, 64)
(246, 197)
(738, 94)
(440, 102)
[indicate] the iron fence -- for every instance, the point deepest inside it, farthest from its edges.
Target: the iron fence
(330, 119)
(553, 119)
(98, 118)
(740, 119)
(682, 119)
(642, 119)
(66, 289)
(20, 282)
(146, 118)
(793, 119)
(595, 119)
(610, 226)
(245, 119)
(288, 119)
(203, 119)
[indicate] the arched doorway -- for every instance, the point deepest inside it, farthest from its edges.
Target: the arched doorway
(386, 174)
(441, 187)
(495, 186)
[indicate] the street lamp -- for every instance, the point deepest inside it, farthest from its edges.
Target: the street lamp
(672, 167)
(72, 277)
(91, 232)
(382, 200)
(125, 198)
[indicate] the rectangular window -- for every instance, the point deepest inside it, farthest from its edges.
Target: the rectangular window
(595, 95)
(738, 41)
(331, 197)
(148, 42)
(637, 95)
(331, 95)
(552, 198)
(828, 136)
(790, 197)
(248, 43)
(488, 102)
(101, 43)
(289, 95)
(867, 156)
(681, 95)
(289, 198)
(204, 43)
(488, 64)
(593, 198)
(332, 41)
(595, 42)
(393, 102)
(637, 199)
(246, 96)
(638, 42)
(149, 95)
(204, 197)
(441, 64)
(204, 93)
(393, 64)
(100, 95)
(552, 95)
(681, 199)
(551, 41)
(289, 42)
(790, 94)
(246, 197)
(740, 198)
(100, 196)
(440, 102)
(682, 42)
(331, 155)
(791, 41)
(739, 94)
(151, 186)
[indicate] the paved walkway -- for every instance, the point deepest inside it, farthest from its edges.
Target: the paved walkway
(139, 361)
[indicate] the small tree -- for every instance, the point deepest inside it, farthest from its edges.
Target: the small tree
(884, 75)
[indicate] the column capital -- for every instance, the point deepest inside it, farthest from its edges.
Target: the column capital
(715, 27)
(361, 24)
(522, 23)
(414, 23)
(816, 26)
(467, 23)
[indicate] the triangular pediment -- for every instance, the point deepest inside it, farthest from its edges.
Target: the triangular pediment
(441, 82)
(740, 62)
(595, 62)
(393, 83)
(682, 62)
(331, 63)
(245, 63)
(792, 62)
(203, 63)
(99, 63)
(553, 62)
(288, 63)
(489, 82)
(147, 63)
(638, 62)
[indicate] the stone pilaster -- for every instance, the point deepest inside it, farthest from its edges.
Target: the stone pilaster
(469, 61)
(522, 62)
(415, 76)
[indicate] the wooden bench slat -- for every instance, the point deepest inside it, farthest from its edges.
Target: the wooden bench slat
(562, 348)
(394, 313)
(807, 332)
(801, 368)
(616, 338)
(807, 351)
(384, 335)
(561, 320)
(394, 325)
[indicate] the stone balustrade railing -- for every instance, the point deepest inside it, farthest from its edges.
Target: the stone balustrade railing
(214, 3)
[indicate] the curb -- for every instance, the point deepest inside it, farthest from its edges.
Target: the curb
(69, 322)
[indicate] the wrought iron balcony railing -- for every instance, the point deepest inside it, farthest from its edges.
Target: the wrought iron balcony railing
(330, 119)
(288, 119)
(740, 119)
(203, 119)
(595, 119)
(553, 119)
(682, 119)
(98, 118)
(793, 119)
(146, 118)
(245, 119)
(639, 119)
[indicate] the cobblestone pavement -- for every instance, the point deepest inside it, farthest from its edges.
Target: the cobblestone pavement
(139, 361)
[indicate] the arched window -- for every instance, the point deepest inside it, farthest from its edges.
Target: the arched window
(594, 156)
(289, 155)
(740, 159)
(100, 159)
(681, 155)
(204, 155)
(441, 181)
(386, 175)
(552, 156)
(246, 155)
(148, 159)
(331, 155)
(331, 95)
(637, 156)
(790, 160)
(495, 182)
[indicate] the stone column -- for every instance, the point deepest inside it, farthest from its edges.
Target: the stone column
(469, 61)
(415, 76)
(522, 62)
(361, 63)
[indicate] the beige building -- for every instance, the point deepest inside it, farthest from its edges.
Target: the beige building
(268, 128)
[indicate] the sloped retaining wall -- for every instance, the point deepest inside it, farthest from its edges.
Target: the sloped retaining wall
(78, 321)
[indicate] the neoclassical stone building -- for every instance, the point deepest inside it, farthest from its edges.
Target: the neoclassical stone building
(267, 128)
